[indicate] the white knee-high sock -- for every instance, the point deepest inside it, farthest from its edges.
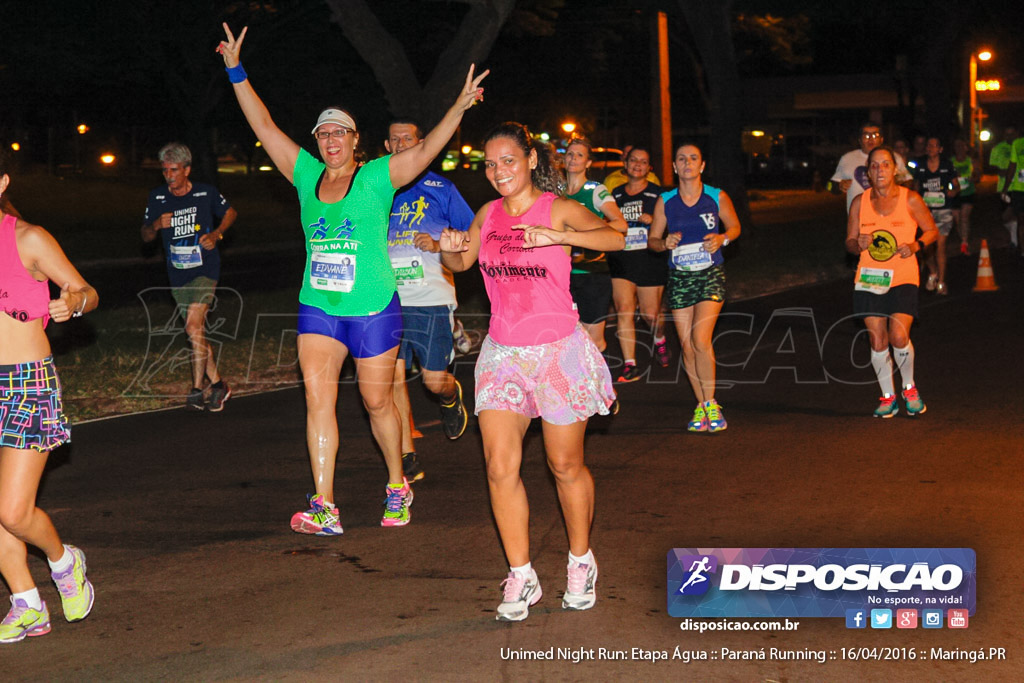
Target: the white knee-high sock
(881, 361)
(905, 362)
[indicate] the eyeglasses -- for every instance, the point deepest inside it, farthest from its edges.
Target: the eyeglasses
(871, 136)
(337, 133)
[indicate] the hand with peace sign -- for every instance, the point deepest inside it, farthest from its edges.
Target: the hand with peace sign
(231, 48)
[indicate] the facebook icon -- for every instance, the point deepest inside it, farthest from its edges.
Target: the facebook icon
(856, 618)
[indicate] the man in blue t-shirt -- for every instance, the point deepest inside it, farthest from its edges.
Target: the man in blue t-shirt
(182, 213)
(426, 289)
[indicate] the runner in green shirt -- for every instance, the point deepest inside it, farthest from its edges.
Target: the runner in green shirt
(963, 203)
(348, 302)
(999, 158)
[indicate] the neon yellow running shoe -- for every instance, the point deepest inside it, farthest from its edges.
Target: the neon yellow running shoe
(396, 505)
(716, 420)
(699, 422)
(76, 593)
(24, 622)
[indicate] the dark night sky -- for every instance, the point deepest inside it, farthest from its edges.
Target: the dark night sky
(106, 62)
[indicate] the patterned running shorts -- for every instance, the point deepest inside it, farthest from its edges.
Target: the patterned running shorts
(563, 382)
(687, 289)
(31, 408)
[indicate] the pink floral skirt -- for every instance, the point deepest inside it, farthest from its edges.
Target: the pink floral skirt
(562, 382)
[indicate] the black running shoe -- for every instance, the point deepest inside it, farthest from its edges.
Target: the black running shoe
(195, 400)
(411, 467)
(630, 373)
(453, 416)
(219, 394)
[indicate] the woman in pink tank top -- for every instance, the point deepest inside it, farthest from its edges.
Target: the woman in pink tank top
(537, 361)
(31, 419)
(881, 230)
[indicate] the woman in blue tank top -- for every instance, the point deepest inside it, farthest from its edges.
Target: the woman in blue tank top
(688, 222)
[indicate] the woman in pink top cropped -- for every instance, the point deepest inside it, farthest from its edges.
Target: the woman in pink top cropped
(31, 419)
(537, 360)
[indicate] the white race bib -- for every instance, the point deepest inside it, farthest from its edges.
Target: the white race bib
(408, 271)
(636, 238)
(332, 272)
(691, 257)
(873, 280)
(183, 258)
(935, 199)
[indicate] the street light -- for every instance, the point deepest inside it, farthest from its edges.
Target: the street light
(568, 126)
(82, 129)
(977, 117)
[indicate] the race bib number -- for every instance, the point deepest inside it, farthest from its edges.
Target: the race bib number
(636, 238)
(691, 257)
(408, 271)
(183, 258)
(935, 200)
(965, 183)
(873, 280)
(332, 272)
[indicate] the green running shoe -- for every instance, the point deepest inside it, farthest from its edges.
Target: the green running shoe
(887, 407)
(24, 622)
(76, 594)
(912, 399)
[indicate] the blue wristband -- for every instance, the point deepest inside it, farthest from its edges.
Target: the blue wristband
(236, 74)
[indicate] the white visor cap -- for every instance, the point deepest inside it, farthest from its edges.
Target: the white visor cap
(334, 116)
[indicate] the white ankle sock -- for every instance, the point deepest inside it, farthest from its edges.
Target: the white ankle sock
(64, 563)
(881, 361)
(587, 559)
(526, 570)
(905, 362)
(30, 598)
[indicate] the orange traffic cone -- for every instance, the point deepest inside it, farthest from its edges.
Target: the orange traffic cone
(986, 278)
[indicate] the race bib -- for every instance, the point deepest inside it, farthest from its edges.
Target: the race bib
(183, 258)
(935, 200)
(691, 257)
(873, 280)
(332, 272)
(965, 183)
(1020, 175)
(636, 238)
(408, 271)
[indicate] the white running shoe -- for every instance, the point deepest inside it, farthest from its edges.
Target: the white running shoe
(519, 594)
(580, 592)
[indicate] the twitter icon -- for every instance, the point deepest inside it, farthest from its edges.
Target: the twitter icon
(881, 618)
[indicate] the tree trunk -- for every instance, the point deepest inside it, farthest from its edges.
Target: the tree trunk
(390, 64)
(711, 28)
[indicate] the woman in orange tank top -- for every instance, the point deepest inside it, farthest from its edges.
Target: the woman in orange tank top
(881, 229)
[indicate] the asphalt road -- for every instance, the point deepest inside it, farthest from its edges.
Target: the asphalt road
(184, 517)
